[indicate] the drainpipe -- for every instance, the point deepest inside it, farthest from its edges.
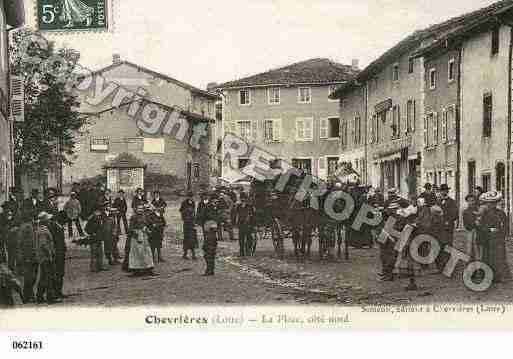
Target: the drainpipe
(458, 134)
(366, 112)
(508, 146)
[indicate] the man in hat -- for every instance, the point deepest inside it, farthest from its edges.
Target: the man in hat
(56, 228)
(210, 220)
(73, 210)
(245, 220)
(449, 218)
(491, 227)
(469, 223)
(9, 225)
(428, 195)
(95, 229)
(33, 205)
(13, 202)
(138, 199)
(387, 253)
(188, 213)
(122, 207)
(45, 252)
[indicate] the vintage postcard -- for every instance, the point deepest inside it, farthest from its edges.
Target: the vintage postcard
(271, 164)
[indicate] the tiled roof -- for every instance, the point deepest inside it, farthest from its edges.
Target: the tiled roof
(125, 160)
(159, 75)
(313, 71)
(414, 40)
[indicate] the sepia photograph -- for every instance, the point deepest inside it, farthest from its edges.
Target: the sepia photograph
(271, 163)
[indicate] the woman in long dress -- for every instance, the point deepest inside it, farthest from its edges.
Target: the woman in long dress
(188, 212)
(140, 257)
(76, 11)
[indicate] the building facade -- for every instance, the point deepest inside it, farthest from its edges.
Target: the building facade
(12, 15)
(156, 130)
(288, 113)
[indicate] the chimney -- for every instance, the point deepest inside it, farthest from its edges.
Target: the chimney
(355, 63)
(116, 58)
(211, 86)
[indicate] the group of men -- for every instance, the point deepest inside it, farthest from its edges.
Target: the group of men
(33, 241)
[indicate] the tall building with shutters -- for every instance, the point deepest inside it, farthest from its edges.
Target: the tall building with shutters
(287, 112)
(12, 15)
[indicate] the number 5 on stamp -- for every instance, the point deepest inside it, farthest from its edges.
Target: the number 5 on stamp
(72, 15)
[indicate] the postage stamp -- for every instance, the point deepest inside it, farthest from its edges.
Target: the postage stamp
(72, 15)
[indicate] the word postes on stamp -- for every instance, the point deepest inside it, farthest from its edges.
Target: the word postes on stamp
(72, 15)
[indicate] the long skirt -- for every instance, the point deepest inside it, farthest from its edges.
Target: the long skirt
(495, 257)
(190, 237)
(472, 248)
(140, 257)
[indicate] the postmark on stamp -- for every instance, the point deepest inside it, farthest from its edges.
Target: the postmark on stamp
(72, 15)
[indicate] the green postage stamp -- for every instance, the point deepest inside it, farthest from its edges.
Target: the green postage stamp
(72, 15)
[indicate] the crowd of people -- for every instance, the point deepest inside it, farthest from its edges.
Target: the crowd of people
(33, 232)
(33, 238)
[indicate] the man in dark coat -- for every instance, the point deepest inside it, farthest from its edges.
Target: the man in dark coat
(245, 221)
(122, 207)
(428, 195)
(139, 199)
(449, 218)
(33, 205)
(210, 218)
(95, 229)
(9, 225)
(188, 213)
(56, 227)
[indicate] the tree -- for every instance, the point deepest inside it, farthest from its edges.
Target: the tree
(46, 139)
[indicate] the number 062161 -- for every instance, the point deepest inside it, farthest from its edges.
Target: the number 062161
(27, 345)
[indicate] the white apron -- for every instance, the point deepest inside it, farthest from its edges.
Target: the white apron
(140, 251)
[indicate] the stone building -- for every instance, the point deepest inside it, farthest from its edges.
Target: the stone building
(287, 112)
(12, 15)
(155, 125)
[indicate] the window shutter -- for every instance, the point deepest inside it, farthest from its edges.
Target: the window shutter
(435, 128)
(444, 126)
(426, 138)
(373, 132)
(308, 129)
(414, 116)
(254, 130)
(277, 130)
(17, 99)
(323, 171)
(299, 124)
(323, 132)
(398, 121)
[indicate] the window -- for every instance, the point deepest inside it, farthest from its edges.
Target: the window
(487, 115)
(411, 63)
(410, 116)
(451, 124)
(428, 125)
(432, 79)
(344, 133)
(273, 95)
(245, 129)
(396, 122)
(495, 41)
(380, 119)
(450, 70)
(332, 89)
(219, 111)
(471, 176)
(395, 72)
(305, 95)
(244, 97)
(487, 182)
(304, 129)
(126, 177)
(99, 145)
(272, 130)
(334, 127)
(357, 129)
(154, 145)
(243, 162)
(500, 177)
(304, 164)
(332, 166)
